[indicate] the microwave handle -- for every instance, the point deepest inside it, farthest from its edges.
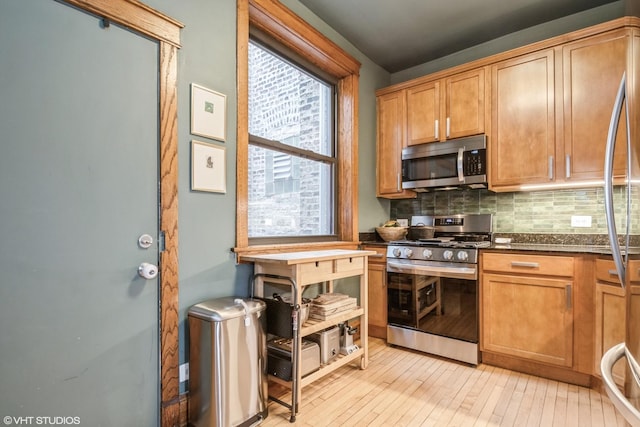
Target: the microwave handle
(460, 158)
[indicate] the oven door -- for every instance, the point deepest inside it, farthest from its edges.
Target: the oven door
(431, 301)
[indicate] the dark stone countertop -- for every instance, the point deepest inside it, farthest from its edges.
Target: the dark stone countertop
(560, 243)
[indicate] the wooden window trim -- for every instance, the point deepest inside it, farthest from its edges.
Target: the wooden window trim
(275, 20)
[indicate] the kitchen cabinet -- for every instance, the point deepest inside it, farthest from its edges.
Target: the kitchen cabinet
(377, 289)
(545, 109)
(570, 88)
(301, 269)
(592, 69)
(447, 108)
(527, 307)
(522, 141)
(391, 139)
(610, 315)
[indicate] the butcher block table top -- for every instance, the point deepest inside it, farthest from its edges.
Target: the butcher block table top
(290, 258)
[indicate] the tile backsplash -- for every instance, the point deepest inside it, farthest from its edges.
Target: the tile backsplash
(526, 212)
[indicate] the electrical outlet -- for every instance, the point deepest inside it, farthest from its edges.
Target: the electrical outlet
(581, 221)
(184, 372)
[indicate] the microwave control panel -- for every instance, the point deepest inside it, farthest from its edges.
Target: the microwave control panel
(474, 162)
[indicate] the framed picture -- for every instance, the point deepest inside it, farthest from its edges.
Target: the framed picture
(208, 167)
(208, 113)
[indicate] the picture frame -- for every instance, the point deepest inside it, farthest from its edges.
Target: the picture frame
(208, 113)
(208, 167)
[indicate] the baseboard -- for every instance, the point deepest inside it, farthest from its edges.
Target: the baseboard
(538, 369)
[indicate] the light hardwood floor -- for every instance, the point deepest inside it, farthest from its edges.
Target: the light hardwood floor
(405, 388)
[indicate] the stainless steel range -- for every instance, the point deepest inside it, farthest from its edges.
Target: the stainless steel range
(432, 287)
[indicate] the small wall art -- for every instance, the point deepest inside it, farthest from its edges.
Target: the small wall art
(208, 167)
(208, 113)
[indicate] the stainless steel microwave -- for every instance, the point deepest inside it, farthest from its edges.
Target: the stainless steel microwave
(458, 163)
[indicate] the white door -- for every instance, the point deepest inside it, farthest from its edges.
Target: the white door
(78, 186)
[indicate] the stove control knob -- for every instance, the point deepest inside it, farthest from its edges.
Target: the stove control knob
(448, 255)
(463, 256)
(408, 253)
(397, 252)
(427, 253)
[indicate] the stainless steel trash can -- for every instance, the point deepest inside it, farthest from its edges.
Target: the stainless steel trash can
(227, 362)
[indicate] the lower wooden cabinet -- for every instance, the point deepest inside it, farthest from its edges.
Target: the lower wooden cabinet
(610, 316)
(536, 314)
(377, 292)
(528, 317)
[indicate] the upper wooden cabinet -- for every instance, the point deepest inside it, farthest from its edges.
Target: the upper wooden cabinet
(545, 107)
(592, 69)
(522, 143)
(571, 88)
(391, 139)
(434, 111)
(423, 113)
(465, 104)
(448, 108)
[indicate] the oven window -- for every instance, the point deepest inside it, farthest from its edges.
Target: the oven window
(435, 167)
(436, 305)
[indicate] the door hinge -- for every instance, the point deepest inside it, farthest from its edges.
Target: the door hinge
(161, 244)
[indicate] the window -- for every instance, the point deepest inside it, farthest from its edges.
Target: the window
(288, 156)
(291, 149)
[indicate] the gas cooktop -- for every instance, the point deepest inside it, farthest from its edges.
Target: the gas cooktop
(444, 243)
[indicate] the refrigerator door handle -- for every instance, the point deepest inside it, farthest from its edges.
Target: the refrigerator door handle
(630, 413)
(608, 181)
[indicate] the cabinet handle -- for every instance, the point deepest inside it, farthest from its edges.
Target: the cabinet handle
(376, 256)
(437, 132)
(398, 182)
(524, 264)
(550, 168)
(567, 166)
(567, 290)
(448, 127)
(613, 273)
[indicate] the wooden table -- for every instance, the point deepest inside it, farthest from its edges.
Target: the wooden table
(300, 269)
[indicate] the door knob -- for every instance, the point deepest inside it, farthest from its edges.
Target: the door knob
(148, 271)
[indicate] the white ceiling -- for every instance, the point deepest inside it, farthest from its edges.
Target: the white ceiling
(399, 34)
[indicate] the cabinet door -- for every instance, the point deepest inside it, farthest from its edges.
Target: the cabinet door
(523, 120)
(423, 113)
(592, 71)
(465, 104)
(377, 300)
(610, 325)
(528, 317)
(391, 141)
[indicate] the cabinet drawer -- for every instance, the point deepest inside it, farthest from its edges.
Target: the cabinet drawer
(547, 265)
(606, 271)
(310, 270)
(349, 264)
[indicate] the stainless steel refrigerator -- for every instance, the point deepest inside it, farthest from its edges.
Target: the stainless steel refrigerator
(626, 401)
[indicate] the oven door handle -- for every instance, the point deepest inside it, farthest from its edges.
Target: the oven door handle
(437, 271)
